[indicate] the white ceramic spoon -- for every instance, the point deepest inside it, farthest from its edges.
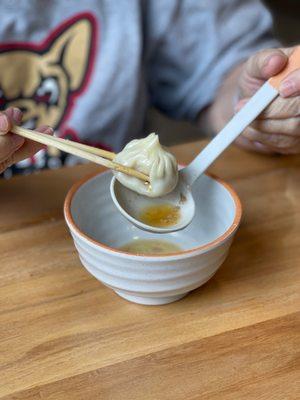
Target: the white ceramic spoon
(131, 204)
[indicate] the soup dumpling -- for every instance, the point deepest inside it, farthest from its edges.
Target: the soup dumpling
(149, 157)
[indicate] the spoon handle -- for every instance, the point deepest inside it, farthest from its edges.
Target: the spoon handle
(261, 99)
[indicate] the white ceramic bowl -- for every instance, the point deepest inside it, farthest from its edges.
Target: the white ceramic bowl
(98, 230)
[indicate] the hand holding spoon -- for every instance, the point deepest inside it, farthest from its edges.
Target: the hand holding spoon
(131, 204)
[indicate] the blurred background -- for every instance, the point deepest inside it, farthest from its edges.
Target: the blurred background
(286, 14)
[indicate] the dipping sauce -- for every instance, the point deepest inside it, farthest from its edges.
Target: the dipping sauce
(150, 246)
(160, 215)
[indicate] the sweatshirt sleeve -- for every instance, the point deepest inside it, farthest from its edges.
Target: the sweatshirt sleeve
(192, 44)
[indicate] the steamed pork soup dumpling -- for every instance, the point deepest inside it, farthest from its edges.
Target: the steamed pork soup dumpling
(149, 157)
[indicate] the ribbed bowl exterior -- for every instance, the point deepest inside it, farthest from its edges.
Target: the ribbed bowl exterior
(150, 280)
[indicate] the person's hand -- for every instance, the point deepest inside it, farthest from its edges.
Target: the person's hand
(14, 148)
(277, 129)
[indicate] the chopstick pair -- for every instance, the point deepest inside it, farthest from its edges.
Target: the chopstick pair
(98, 156)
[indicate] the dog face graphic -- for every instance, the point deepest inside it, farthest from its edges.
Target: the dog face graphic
(44, 79)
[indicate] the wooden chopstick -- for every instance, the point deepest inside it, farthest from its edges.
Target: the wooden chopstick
(90, 149)
(84, 151)
(93, 150)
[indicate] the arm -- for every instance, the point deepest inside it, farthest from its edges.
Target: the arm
(214, 117)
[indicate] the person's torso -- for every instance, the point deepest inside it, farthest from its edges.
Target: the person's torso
(76, 66)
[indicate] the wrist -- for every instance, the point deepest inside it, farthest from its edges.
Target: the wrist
(228, 96)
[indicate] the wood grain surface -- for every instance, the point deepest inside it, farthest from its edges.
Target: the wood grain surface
(65, 336)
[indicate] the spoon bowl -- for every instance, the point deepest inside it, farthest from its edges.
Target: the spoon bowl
(132, 204)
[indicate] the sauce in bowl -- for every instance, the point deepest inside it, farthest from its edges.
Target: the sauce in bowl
(150, 246)
(160, 215)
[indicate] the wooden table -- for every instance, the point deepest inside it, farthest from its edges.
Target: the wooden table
(65, 336)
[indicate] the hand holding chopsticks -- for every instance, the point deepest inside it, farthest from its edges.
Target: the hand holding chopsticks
(90, 153)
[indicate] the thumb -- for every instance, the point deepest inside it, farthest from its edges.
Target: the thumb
(266, 63)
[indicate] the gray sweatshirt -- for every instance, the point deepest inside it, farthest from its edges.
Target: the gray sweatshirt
(91, 68)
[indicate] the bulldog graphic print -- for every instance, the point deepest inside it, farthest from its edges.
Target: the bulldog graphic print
(44, 79)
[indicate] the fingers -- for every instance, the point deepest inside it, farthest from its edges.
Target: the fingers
(45, 129)
(14, 114)
(290, 86)
(9, 142)
(280, 108)
(13, 148)
(260, 67)
(5, 123)
(8, 145)
(276, 142)
(30, 147)
(277, 129)
(266, 63)
(249, 145)
(8, 117)
(288, 126)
